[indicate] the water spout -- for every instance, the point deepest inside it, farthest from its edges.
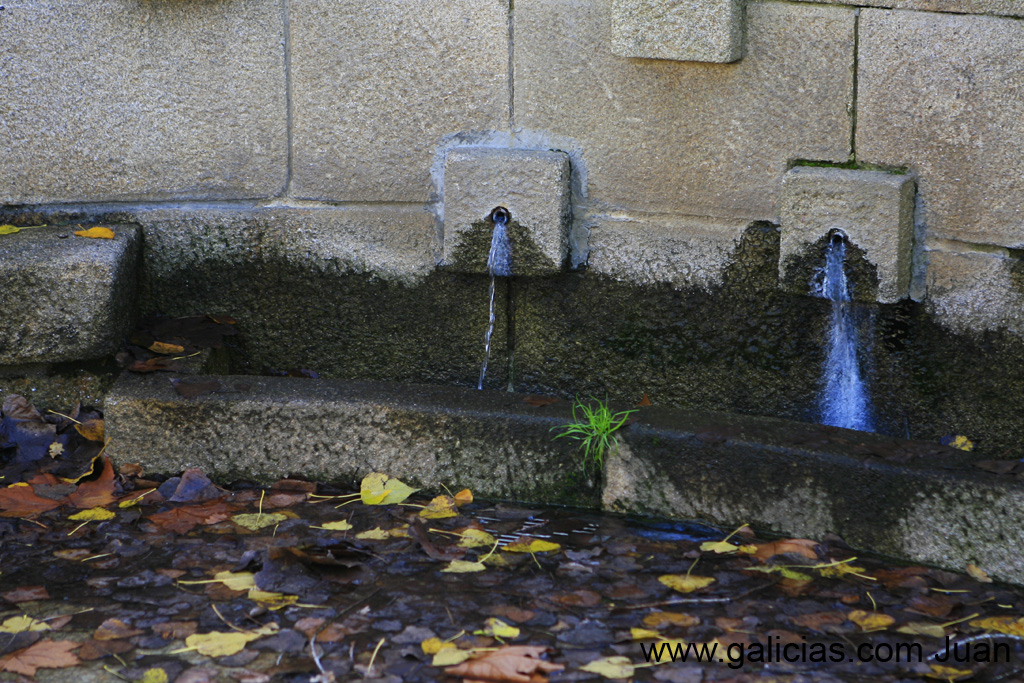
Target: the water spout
(499, 264)
(844, 399)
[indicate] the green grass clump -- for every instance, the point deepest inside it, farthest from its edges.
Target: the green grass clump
(593, 425)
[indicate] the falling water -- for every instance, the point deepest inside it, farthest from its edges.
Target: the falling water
(499, 264)
(844, 398)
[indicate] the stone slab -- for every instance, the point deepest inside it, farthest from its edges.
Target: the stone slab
(533, 185)
(65, 297)
(682, 137)
(122, 100)
(691, 30)
(975, 291)
(1009, 8)
(920, 501)
(378, 92)
(944, 95)
(873, 209)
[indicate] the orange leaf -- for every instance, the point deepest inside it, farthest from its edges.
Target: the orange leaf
(46, 654)
(164, 347)
(509, 664)
(96, 493)
(464, 496)
(21, 501)
(182, 519)
(788, 546)
(112, 629)
(91, 430)
(644, 402)
(96, 233)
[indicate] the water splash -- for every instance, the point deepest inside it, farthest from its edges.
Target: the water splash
(499, 264)
(844, 398)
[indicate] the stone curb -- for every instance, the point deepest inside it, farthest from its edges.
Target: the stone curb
(919, 501)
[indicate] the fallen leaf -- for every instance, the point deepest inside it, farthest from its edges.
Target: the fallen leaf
(440, 507)
(96, 233)
(513, 663)
(463, 497)
(431, 646)
(257, 521)
(978, 574)
(341, 525)
(166, 348)
(948, 673)
(222, 644)
(92, 515)
(19, 500)
(643, 634)
(661, 619)
(685, 583)
(499, 629)
(531, 545)
(271, 600)
(451, 656)
(26, 594)
(22, 624)
(115, 628)
(175, 630)
(8, 229)
(610, 667)
(787, 572)
(871, 621)
(790, 546)
(183, 519)
(463, 567)
(957, 441)
(644, 402)
(1011, 626)
(379, 489)
(154, 675)
(378, 534)
(45, 654)
(91, 430)
(922, 628)
(476, 538)
(98, 492)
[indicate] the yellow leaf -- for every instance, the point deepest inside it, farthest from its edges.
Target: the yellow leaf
(720, 547)
(375, 534)
(219, 644)
(92, 514)
(255, 520)
(439, 508)
(610, 667)
(91, 430)
(8, 229)
(963, 443)
(643, 634)
(55, 449)
(451, 656)
(531, 545)
(840, 569)
(464, 567)
(978, 574)
(379, 489)
(22, 624)
(870, 621)
(165, 348)
(236, 581)
(655, 619)
(341, 525)
(476, 538)
(431, 646)
(154, 676)
(748, 549)
(1011, 626)
(499, 629)
(922, 628)
(784, 571)
(273, 601)
(96, 233)
(464, 496)
(685, 583)
(948, 673)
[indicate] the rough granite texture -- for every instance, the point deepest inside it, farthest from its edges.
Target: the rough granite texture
(532, 184)
(1010, 8)
(873, 209)
(379, 90)
(944, 95)
(691, 30)
(690, 138)
(972, 292)
(126, 100)
(889, 495)
(65, 297)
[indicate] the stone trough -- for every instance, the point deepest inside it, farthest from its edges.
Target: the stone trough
(919, 501)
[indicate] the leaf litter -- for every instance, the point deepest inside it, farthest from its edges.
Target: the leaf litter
(153, 579)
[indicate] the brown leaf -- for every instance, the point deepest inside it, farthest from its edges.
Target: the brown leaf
(26, 594)
(46, 654)
(511, 613)
(18, 408)
(183, 519)
(98, 649)
(22, 501)
(789, 546)
(509, 664)
(166, 348)
(644, 402)
(293, 486)
(195, 388)
(115, 628)
(91, 430)
(96, 493)
(155, 364)
(175, 630)
(540, 401)
(580, 598)
(824, 622)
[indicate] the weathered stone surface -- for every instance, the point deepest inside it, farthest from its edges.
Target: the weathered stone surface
(919, 501)
(874, 209)
(59, 387)
(65, 297)
(686, 252)
(692, 30)
(120, 100)
(532, 184)
(1010, 8)
(944, 95)
(378, 91)
(264, 428)
(972, 292)
(674, 137)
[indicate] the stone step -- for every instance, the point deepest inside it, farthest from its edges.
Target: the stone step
(919, 501)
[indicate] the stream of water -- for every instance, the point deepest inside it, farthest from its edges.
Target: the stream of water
(499, 264)
(844, 399)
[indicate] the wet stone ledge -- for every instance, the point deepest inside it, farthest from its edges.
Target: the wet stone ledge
(919, 501)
